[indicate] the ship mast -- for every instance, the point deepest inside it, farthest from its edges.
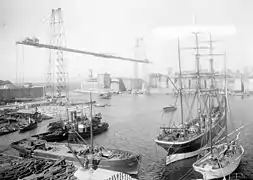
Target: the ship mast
(197, 56)
(226, 95)
(91, 133)
(180, 91)
(210, 95)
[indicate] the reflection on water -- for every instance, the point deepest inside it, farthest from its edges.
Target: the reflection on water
(134, 123)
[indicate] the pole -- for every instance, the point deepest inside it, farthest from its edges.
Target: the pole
(91, 133)
(225, 67)
(180, 76)
(210, 97)
(197, 72)
(210, 124)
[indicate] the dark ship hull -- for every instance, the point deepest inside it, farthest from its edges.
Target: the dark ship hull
(169, 109)
(129, 162)
(52, 137)
(7, 132)
(186, 149)
(29, 127)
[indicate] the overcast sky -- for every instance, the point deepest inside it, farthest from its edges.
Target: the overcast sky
(111, 26)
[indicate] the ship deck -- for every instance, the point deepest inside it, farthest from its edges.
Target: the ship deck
(61, 150)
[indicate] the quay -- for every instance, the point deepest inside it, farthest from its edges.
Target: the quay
(12, 167)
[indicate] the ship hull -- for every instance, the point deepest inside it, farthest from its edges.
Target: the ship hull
(4, 133)
(178, 151)
(29, 127)
(169, 109)
(49, 137)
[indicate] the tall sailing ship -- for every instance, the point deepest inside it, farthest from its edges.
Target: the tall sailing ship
(186, 139)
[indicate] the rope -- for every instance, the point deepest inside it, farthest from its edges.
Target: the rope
(186, 174)
(194, 99)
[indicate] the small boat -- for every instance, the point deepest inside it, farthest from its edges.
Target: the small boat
(221, 162)
(110, 159)
(88, 103)
(6, 130)
(105, 95)
(101, 105)
(169, 109)
(30, 126)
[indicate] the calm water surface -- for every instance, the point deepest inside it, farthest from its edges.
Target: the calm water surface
(134, 124)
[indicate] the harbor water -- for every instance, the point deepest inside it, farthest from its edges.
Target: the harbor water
(134, 123)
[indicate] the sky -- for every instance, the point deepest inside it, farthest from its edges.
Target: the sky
(112, 26)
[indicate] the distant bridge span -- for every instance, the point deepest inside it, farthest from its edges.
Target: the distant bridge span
(102, 55)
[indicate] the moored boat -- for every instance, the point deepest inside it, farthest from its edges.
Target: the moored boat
(105, 95)
(54, 136)
(82, 126)
(101, 105)
(30, 126)
(220, 160)
(110, 159)
(9, 127)
(169, 109)
(7, 130)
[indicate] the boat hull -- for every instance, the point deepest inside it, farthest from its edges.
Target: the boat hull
(169, 109)
(29, 127)
(182, 150)
(4, 133)
(52, 137)
(129, 166)
(222, 172)
(180, 156)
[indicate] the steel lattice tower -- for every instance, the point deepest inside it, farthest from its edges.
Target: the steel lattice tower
(57, 65)
(136, 67)
(139, 52)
